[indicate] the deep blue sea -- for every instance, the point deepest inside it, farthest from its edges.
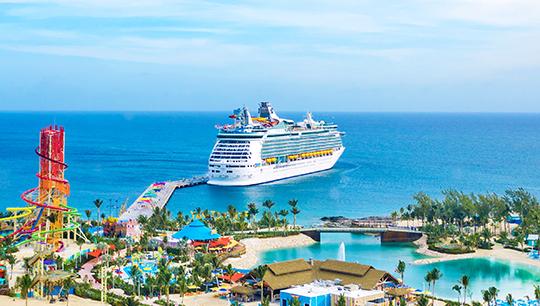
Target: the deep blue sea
(389, 157)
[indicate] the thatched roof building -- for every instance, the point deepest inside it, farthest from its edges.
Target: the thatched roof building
(299, 272)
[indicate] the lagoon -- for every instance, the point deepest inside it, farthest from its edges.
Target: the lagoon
(506, 276)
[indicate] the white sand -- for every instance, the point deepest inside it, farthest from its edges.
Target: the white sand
(254, 246)
(498, 252)
(207, 299)
(73, 301)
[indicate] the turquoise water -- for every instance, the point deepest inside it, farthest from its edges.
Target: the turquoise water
(508, 277)
(389, 157)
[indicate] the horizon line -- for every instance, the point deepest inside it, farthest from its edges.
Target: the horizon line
(281, 111)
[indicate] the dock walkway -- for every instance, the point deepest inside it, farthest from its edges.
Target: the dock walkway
(157, 195)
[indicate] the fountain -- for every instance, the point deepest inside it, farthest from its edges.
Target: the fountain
(341, 252)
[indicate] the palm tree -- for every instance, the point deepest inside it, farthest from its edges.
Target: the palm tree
(142, 220)
(233, 212)
(265, 301)
(24, 283)
(283, 213)
(136, 277)
(268, 204)
(486, 296)
(435, 276)
(293, 202)
(341, 301)
(457, 288)
(295, 211)
(182, 287)
(401, 269)
(537, 292)
(253, 211)
(428, 278)
(98, 203)
(493, 292)
(88, 214)
(510, 299)
(258, 273)
(464, 281)
(230, 272)
(422, 301)
(165, 277)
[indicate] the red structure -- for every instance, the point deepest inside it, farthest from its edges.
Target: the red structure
(52, 217)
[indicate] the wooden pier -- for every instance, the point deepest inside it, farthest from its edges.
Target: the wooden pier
(157, 195)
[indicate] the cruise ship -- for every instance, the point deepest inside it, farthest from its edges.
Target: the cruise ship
(256, 150)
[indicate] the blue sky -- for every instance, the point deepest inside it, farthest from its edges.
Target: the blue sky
(461, 55)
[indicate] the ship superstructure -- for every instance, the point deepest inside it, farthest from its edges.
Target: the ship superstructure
(255, 150)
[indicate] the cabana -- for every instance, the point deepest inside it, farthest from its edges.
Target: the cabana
(196, 231)
(243, 293)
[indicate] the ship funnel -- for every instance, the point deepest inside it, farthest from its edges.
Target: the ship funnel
(267, 111)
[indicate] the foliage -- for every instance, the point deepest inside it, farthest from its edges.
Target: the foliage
(422, 301)
(472, 220)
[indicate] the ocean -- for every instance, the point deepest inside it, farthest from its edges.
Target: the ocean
(388, 158)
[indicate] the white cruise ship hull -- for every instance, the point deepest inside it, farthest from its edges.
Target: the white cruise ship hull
(270, 173)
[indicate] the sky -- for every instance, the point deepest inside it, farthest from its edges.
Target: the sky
(316, 55)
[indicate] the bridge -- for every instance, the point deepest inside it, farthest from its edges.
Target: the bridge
(388, 234)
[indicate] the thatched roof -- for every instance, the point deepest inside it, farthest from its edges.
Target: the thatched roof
(243, 290)
(288, 273)
(292, 266)
(399, 291)
(298, 272)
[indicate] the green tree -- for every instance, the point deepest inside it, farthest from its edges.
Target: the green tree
(341, 301)
(265, 301)
(88, 214)
(136, 278)
(435, 276)
(486, 296)
(294, 302)
(164, 277)
(510, 299)
(493, 292)
(400, 269)
(457, 288)
(537, 292)
(253, 211)
(464, 281)
(294, 211)
(258, 273)
(182, 287)
(283, 213)
(24, 283)
(422, 301)
(98, 203)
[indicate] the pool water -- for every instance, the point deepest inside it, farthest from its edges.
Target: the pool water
(147, 268)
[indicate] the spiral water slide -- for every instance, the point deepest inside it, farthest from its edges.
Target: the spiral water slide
(48, 196)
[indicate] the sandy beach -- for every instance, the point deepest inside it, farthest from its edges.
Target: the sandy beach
(73, 301)
(254, 246)
(498, 252)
